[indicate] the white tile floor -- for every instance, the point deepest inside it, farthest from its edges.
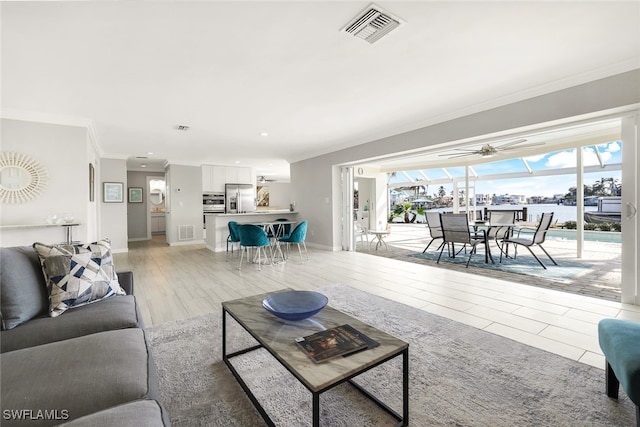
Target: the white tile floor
(180, 282)
(558, 322)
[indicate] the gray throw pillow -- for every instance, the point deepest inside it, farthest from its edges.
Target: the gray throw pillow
(23, 290)
(78, 274)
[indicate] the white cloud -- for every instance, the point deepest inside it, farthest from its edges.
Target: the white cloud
(564, 159)
(567, 159)
(536, 158)
(613, 147)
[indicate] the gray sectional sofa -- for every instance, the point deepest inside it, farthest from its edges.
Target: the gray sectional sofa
(90, 366)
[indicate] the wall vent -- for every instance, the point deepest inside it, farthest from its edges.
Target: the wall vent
(372, 24)
(186, 232)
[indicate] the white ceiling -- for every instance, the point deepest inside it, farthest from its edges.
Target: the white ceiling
(232, 70)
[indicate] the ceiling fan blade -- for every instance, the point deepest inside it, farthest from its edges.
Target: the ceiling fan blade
(462, 152)
(509, 144)
(455, 156)
(533, 144)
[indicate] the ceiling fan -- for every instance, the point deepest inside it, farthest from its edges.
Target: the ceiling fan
(488, 150)
(262, 179)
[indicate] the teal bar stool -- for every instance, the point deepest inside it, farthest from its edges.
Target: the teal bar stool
(620, 344)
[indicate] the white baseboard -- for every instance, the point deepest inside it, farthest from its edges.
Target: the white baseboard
(187, 242)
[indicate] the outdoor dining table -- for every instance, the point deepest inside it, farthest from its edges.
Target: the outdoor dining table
(509, 226)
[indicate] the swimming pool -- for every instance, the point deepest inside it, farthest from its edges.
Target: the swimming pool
(591, 236)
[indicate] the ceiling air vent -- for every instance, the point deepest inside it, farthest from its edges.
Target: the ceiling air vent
(372, 24)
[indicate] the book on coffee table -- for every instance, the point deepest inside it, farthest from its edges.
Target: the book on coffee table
(334, 342)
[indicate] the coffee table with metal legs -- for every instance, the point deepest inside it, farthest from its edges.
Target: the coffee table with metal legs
(277, 336)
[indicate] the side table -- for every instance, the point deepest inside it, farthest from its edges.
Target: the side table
(379, 238)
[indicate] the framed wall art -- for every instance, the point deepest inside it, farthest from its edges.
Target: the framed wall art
(112, 192)
(135, 194)
(263, 195)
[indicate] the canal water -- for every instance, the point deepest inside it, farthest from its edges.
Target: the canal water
(561, 213)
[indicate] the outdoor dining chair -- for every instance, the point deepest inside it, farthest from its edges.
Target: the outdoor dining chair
(499, 224)
(500, 227)
(435, 229)
(537, 239)
(455, 229)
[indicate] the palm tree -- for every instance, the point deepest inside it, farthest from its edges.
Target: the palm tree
(403, 209)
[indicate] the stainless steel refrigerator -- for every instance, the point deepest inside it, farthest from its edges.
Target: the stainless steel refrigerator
(240, 198)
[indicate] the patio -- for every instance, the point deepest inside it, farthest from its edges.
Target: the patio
(598, 273)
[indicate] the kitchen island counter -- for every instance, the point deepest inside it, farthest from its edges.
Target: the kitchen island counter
(271, 212)
(218, 224)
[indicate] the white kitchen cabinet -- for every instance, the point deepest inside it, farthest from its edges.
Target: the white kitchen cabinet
(238, 175)
(207, 178)
(231, 175)
(218, 179)
(244, 176)
(215, 177)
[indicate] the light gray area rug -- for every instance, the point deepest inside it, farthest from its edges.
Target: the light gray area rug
(459, 376)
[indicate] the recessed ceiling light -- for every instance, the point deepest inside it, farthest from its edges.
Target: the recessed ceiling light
(237, 162)
(150, 153)
(143, 165)
(264, 134)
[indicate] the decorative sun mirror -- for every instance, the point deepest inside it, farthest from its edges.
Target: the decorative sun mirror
(21, 178)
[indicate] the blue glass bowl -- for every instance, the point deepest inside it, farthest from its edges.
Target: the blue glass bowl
(295, 305)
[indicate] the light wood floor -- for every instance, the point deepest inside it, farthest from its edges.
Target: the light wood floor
(179, 282)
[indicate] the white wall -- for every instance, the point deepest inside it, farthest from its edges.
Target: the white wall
(312, 191)
(279, 194)
(65, 153)
(323, 176)
(113, 216)
(184, 202)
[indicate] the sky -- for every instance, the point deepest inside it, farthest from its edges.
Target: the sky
(546, 186)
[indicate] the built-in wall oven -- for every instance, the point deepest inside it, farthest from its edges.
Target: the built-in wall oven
(212, 203)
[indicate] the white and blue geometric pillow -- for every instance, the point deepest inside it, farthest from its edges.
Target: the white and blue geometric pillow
(78, 274)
